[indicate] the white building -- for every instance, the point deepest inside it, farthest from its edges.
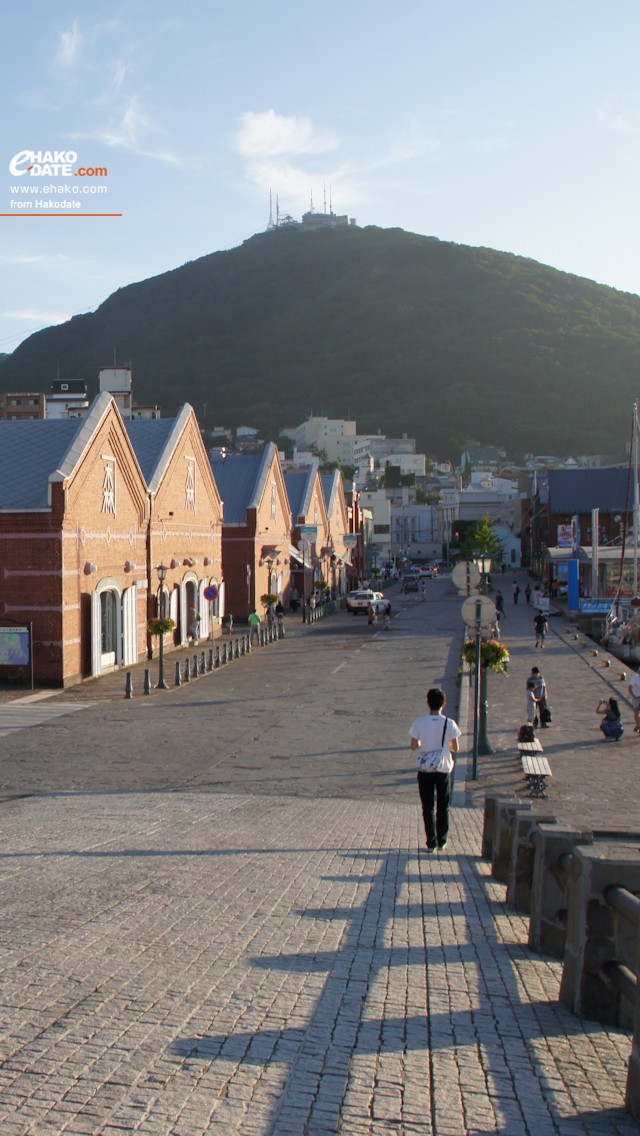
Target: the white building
(500, 500)
(333, 435)
(408, 463)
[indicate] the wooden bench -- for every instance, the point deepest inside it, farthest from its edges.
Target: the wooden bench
(536, 769)
(530, 747)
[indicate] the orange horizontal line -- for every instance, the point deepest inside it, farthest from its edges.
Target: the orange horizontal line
(61, 214)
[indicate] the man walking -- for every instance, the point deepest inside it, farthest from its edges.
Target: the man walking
(254, 626)
(435, 737)
(541, 627)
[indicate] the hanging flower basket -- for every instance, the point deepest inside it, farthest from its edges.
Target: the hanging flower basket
(493, 655)
(160, 626)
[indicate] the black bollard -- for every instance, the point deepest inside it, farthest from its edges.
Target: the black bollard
(147, 682)
(178, 675)
(128, 686)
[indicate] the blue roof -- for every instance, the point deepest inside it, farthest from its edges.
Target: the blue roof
(237, 478)
(149, 438)
(581, 490)
(296, 484)
(29, 453)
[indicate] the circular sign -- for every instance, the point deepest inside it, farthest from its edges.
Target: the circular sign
(470, 611)
(211, 593)
(304, 545)
(466, 575)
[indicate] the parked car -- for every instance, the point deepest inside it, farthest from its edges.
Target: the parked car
(429, 573)
(359, 601)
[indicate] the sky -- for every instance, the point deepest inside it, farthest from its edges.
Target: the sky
(511, 124)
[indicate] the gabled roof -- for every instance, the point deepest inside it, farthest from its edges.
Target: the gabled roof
(330, 483)
(299, 485)
(35, 453)
(581, 490)
(241, 480)
(154, 441)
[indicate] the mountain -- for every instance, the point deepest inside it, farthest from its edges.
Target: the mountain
(404, 333)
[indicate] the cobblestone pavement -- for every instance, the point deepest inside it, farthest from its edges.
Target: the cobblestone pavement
(175, 963)
(190, 963)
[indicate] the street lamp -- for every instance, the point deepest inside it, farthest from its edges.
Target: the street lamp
(162, 575)
(481, 743)
(483, 563)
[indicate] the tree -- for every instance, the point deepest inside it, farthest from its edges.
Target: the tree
(482, 540)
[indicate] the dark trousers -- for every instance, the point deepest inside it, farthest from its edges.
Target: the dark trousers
(435, 796)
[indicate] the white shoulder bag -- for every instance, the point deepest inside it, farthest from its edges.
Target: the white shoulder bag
(432, 760)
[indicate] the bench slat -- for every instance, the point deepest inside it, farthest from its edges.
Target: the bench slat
(530, 747)
(536, 766)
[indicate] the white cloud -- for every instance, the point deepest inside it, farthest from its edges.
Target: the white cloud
(266, 134)
(626, 121)
(129, 132)
(34, 316)
(69, 46)
(55, 261)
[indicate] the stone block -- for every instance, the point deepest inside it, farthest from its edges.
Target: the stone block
(520, 881)
(597, 935)
(505, 819)
(553, 845)
(488, 829)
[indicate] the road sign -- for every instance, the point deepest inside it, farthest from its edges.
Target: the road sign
(466, 575)
(211, 592)
(470, 611)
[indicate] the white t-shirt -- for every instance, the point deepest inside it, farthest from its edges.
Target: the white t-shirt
(429, 729)
(634, 686)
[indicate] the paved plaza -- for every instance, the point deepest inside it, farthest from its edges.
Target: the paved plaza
(254, 940)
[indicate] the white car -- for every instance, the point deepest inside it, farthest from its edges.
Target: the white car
(359, 601)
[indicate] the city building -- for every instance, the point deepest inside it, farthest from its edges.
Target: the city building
(16, 406)
(185, 524)
(257, 553)
(82, 533)
(68, 398)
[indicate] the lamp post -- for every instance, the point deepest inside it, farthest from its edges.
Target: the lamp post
(481, 743)
(162, 575)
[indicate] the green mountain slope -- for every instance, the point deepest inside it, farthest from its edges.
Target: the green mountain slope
(402, 332)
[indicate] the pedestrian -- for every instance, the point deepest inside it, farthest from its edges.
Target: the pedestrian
(371, 614)
(611, 724)
(540, 691)
(516, 591)
(532, 705)
(500, 602)
(194, 624)
(230, 622)
(541, 627)
(435, 737)
(527, 592)
(387, 615)
(254, 626)
(294, 598)
(280, 618)
(423, 590)
(634, 691)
